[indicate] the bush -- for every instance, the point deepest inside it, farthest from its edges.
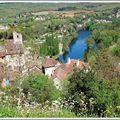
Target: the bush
(41, 88)
(116, 51)
(93, 95)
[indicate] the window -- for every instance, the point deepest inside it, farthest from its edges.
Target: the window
(17, 36)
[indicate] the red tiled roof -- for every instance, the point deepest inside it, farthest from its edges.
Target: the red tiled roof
(60, 74)
(49, 62)
(63, 71)
(36, 69)
(66, 69)
(13, 48)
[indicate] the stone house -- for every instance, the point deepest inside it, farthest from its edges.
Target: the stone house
(13, 46)
(34, 67)
(49, 66)
(11, 53)
(63, 71)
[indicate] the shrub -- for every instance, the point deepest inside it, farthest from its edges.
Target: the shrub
(93, 95)
(116, 51)
(41, 88)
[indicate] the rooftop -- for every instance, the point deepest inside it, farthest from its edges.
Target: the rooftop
(66, 69)
(50, 62)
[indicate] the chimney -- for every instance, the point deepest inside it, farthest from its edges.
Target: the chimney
(68, 60)
(77, 63)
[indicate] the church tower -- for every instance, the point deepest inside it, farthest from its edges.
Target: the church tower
(17, 38)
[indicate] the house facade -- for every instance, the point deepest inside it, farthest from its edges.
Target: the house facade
(64, 70)
(12, 54)
(49, 66)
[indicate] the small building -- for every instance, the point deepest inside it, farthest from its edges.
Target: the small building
(64, 70)
(17, 38)
(32, 66)
(12, 48)
(49, 66)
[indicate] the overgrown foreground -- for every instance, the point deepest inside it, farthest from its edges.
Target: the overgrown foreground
(84, 94)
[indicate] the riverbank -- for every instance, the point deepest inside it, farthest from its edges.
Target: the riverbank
(77, 48)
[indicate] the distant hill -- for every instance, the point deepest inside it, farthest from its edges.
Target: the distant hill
(11, 9)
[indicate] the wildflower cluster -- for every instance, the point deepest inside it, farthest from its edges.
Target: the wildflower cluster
(25, 104)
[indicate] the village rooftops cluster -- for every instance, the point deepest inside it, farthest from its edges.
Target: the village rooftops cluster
(58, 72)
(8, 66)
(16, 61)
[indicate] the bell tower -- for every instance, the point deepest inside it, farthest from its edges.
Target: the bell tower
(17, 38)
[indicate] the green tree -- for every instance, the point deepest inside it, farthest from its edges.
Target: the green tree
(101, 91)
(41, 88)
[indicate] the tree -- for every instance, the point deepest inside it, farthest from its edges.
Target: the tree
(91, 86)
(41, 88)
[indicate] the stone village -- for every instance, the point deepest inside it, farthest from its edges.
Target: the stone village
(17, 61)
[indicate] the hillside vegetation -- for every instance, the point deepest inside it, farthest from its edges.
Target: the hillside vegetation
(92, 92)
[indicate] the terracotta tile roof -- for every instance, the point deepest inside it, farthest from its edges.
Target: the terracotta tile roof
(34, 67)
(30, 64)
(60, 74)
(13, 48)
(64, 70)
(49, 62)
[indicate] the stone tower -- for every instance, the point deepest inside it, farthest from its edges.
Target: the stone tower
(17, 38)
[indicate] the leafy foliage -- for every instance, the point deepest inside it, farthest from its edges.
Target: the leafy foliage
(41, 88)
(102, 92)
